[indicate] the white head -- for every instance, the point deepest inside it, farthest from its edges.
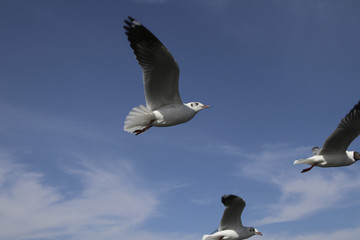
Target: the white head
(247, 232)
(254, 231)
(196, 106)
(353, 155)
(356, 156)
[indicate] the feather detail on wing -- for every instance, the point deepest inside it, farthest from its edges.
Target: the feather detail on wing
(347, 130)
(231, 218)
(138, 118)
(160, 70)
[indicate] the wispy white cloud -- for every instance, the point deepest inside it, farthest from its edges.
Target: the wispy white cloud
(109, 204)
(348, 234)
(201, 201)
(307, 195)
(301, 195)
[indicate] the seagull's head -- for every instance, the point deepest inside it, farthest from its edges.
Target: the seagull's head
(356, 156)
(254, 231)
(196, 106)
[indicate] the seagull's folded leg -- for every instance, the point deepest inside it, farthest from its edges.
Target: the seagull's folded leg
(138, 131)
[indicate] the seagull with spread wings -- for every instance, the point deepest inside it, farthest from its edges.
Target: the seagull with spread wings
(231, 227)
(164, 106)
(334, 151)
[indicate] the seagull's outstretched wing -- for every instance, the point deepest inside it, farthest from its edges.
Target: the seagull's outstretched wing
(160, 70)
(231, 218)
(347, 130)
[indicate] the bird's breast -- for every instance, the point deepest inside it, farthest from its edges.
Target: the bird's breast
(337, 160)
(173, 115)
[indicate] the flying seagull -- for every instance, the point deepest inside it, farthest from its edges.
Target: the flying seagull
(334, 151)
(231, 227)
(164, 106)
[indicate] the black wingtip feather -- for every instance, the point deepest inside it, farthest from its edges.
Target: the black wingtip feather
(353, 117)
(354, 109)
(139, 36)
(357, 106)
(146, 46)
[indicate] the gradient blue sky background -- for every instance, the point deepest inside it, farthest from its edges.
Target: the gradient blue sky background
(279, 76)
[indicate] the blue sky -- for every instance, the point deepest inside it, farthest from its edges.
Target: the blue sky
(278, 74)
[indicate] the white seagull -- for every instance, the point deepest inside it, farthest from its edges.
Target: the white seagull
(161, 82)
(231, 227)
(334, 151)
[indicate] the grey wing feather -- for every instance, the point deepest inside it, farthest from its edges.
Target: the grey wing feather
(347, 130)
(232, 214)
(160, 70)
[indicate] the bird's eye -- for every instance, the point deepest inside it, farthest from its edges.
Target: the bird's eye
(196, 104)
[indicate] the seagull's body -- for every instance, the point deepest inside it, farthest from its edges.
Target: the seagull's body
(164, 106)
(334, 151)
(231, 227)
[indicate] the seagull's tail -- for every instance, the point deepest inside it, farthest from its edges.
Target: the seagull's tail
(207, 237)
(212, 237)
(138, 118)
(300, 161)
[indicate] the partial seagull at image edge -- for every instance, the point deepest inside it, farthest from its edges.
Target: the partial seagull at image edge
(334, 151)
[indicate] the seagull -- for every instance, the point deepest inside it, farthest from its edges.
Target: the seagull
(334, 151)
(164, 106)
(231, 227)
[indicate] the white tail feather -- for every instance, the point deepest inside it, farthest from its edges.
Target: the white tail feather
(306, 160)
(205, 237)
(138, 118)
(210, 237)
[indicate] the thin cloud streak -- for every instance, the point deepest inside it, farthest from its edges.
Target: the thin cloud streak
(301, 195)
(201, 201)
(20, 122)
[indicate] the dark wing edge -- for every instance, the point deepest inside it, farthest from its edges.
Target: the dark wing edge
(142, 41)
(160, 70)
(347, 130)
